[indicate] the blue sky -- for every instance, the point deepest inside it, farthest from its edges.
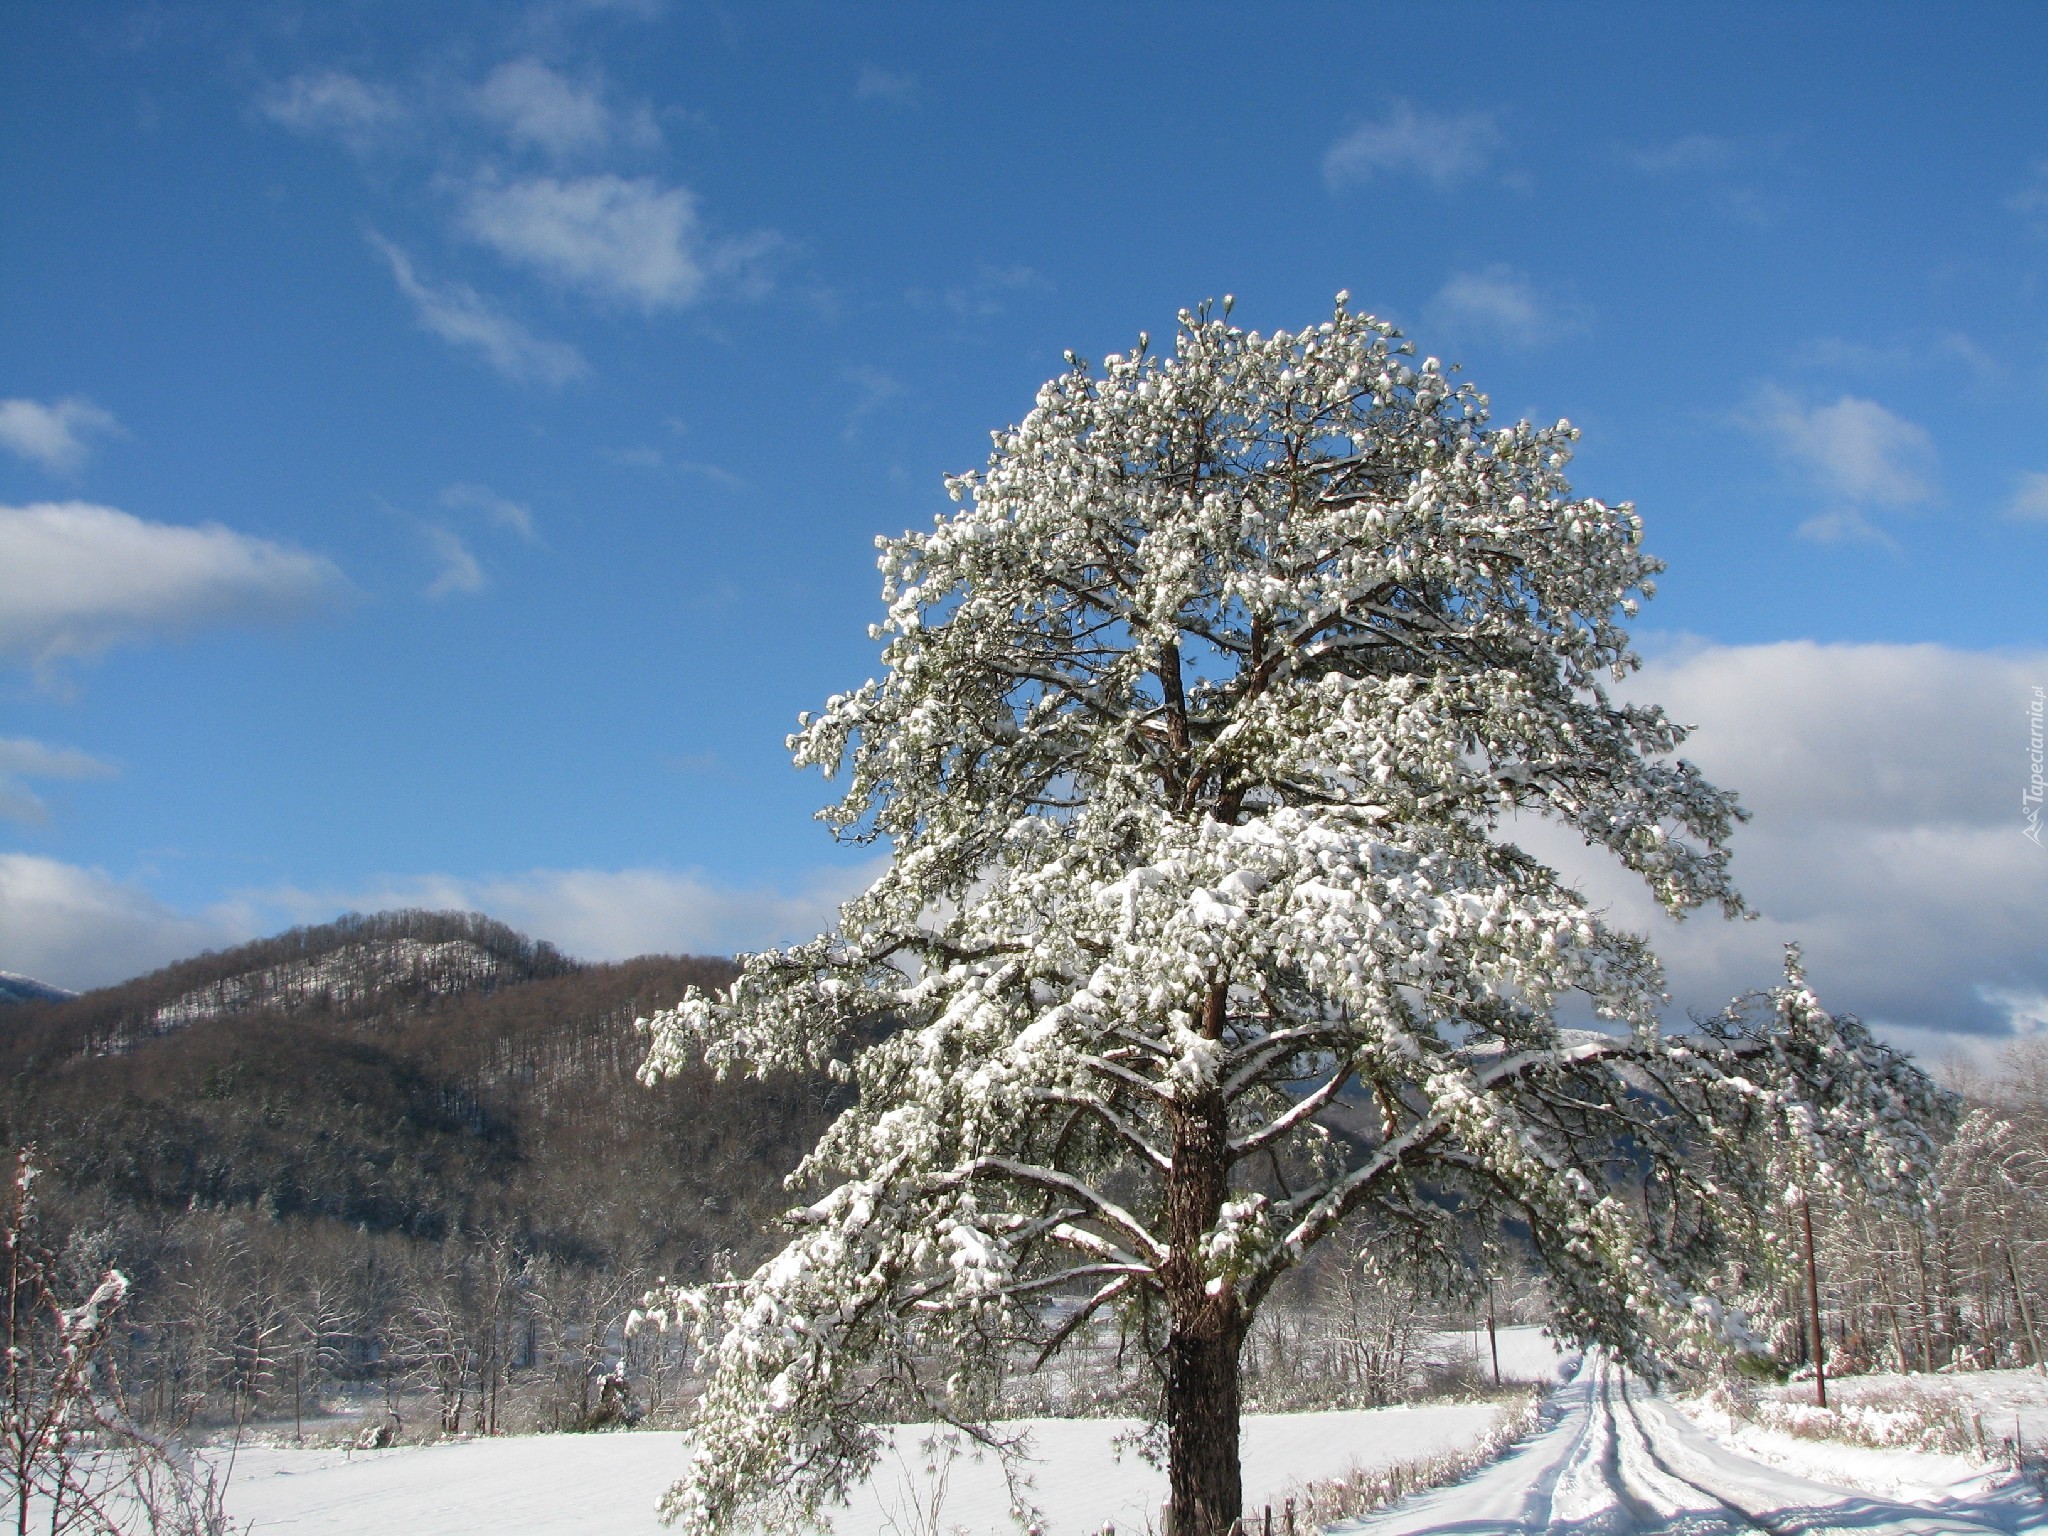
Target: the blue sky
(442, 446)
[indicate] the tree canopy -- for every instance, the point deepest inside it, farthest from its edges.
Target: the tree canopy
(1207, 728)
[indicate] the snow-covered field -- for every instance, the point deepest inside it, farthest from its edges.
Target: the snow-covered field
(548, 1485)
(552, 1485)
(1526, 1353)
(1612, 1460)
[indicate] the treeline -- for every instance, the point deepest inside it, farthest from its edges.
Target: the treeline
(1960, 1285)
(237, 1320)
(406, 1151)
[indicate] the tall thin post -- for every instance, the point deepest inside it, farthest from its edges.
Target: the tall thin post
(1820, 1369)
(1492, 1333)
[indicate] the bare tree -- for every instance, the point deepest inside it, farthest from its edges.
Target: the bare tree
(71, 1457)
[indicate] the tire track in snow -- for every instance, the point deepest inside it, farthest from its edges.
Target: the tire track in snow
(1617, 1461)
(1776, 1502)
(1661, 1499)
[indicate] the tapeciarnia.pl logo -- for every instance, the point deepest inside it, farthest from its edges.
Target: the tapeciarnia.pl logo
(2030, 797)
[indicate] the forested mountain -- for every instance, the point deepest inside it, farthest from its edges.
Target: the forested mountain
(26, 989)
(407, 1150)
(413, 1073)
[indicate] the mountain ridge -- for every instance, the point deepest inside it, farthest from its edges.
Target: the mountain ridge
(416, 1073)
(17, 988)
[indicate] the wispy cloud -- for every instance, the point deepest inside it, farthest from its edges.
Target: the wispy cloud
(1898, 358)
(460, 571)
(21, 758)
(77, 578)
(625, 240)
(2030, 201)
(1440, 149)
(877, 84)
(717, 474)
(873, 389)
(56, 436)
(640, 456)
(1856, 454)
(1501, 303)
(334, 104)
(514, 516)
(463, 318)
(2030, 499)
(993, 290)
(1689, 153)
(1705, 166)
(537, 107)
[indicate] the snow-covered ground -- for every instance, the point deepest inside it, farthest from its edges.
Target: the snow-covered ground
(1527, 1353)
(553, 1485)
(1999, 1407)
(546, 1485)
(1617, 1461)
(1611, 1460)
(2005, 1402)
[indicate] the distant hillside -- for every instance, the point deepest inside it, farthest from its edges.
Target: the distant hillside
(26, 989)
(415, 1073)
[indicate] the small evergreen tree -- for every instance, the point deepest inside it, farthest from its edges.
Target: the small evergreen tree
(1207, 727)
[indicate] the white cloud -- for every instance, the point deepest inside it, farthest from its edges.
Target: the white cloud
(1885, 784)
(877, 84)
(539, 108)
(601, 914)
(1441, 149)
(54, 436)
(76, 578)
(462, 317)
(514, 516)
(2028, 1011)
(1501, 303)
(459, 569)
(77, 927)
(1855, 452)
(621, 239)
(2030, 500)
(21, 758)
(338, 105)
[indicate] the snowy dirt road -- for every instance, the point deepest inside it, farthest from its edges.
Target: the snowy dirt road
(1617, 1461)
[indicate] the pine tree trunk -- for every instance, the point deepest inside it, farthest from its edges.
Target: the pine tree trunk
(1202, 1401)
(1207, 1330)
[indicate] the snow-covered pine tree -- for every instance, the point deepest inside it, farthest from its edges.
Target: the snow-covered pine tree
(1206, 729)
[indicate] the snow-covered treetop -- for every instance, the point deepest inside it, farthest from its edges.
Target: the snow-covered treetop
(1206, 724)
